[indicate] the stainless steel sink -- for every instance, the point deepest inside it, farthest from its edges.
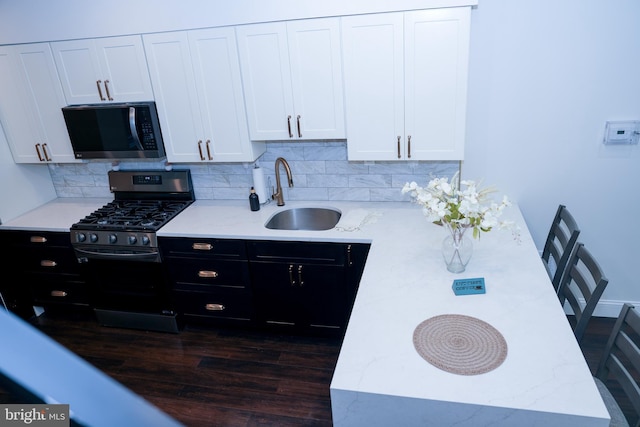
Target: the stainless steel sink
(304, 219)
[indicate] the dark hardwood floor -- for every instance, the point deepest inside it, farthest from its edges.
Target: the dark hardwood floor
(207, 376)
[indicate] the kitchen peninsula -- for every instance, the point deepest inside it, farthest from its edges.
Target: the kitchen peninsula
(380, 378)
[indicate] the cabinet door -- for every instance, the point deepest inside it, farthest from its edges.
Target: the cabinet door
(169, 61)
(316, 78)
(199, 97)
(406, 84)
(436, 64)
(301, 295)
(111, 69)
(31, 106)
(374, 87)
(219, 87)
(266, 76)
(292, 75)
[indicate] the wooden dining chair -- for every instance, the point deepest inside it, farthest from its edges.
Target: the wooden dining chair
(561, 240)
(582, 286)
(620, 364)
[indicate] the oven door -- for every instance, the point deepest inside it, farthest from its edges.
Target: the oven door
(130, 294)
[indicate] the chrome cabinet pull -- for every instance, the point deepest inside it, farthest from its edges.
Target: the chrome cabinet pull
(349, 260)
(208, 143)
(398, 146)
(48, 263)
(289, 126)
(98, 82)
(106, 86)
(409, 146)
(200, 149)
(59, 294)
(202, 246)
(214, 307)
(44, 150)
(38, 239)
(208, 274)
(298, 122)
(300, 281)
(38, 152)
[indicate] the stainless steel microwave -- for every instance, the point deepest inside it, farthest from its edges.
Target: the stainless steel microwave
(115, 131)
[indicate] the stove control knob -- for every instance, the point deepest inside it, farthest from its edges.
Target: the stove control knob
(113, 238)
(145, 240)
(93, 237)
(81, 237)
(133, 240)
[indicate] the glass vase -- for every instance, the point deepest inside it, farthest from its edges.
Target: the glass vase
(456, 249)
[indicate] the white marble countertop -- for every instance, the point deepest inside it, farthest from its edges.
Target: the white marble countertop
(380, 379)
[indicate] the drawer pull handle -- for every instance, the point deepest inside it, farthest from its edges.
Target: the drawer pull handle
(292, 281)
(58, 294)
(202, 246)
(300, 281)
(214, 307)
(208, 274)
(48, 263)
(38, 239)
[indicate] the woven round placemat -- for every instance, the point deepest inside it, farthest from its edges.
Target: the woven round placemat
(459, 344)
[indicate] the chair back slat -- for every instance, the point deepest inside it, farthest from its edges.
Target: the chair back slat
(621, 356)
(582, 286)
(560, 242)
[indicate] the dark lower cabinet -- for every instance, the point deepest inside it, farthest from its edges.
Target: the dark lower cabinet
(306, 287)
(46, 269)
(210, 279)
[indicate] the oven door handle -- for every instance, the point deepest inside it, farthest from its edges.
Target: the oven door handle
(84, 255)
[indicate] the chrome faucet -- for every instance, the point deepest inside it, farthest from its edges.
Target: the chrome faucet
(278, 196)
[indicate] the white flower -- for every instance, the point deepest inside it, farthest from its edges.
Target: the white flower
(459, 204)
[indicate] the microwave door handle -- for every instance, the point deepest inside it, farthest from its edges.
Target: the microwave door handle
(132, 126)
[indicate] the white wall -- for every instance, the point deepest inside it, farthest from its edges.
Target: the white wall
(545, 75)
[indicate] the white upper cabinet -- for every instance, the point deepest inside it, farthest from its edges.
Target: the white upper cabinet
(111, 69)
(30, 105)
(292, 76)
(196, 80)
(406, 84)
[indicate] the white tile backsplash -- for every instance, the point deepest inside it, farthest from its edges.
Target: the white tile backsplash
(320, 171)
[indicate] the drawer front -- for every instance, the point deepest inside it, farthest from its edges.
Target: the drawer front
(223, 248)
(206, 274)
(49, 260)
(35, 238)
(215, 305)
(305, 252)
(59, 292)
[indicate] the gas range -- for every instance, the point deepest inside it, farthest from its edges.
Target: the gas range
(126, 227)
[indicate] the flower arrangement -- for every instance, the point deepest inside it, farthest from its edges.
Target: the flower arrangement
(459, 205)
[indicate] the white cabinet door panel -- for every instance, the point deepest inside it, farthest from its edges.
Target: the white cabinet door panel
(111, 69)
(267, 80)
(406, 84)
(374, 89)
